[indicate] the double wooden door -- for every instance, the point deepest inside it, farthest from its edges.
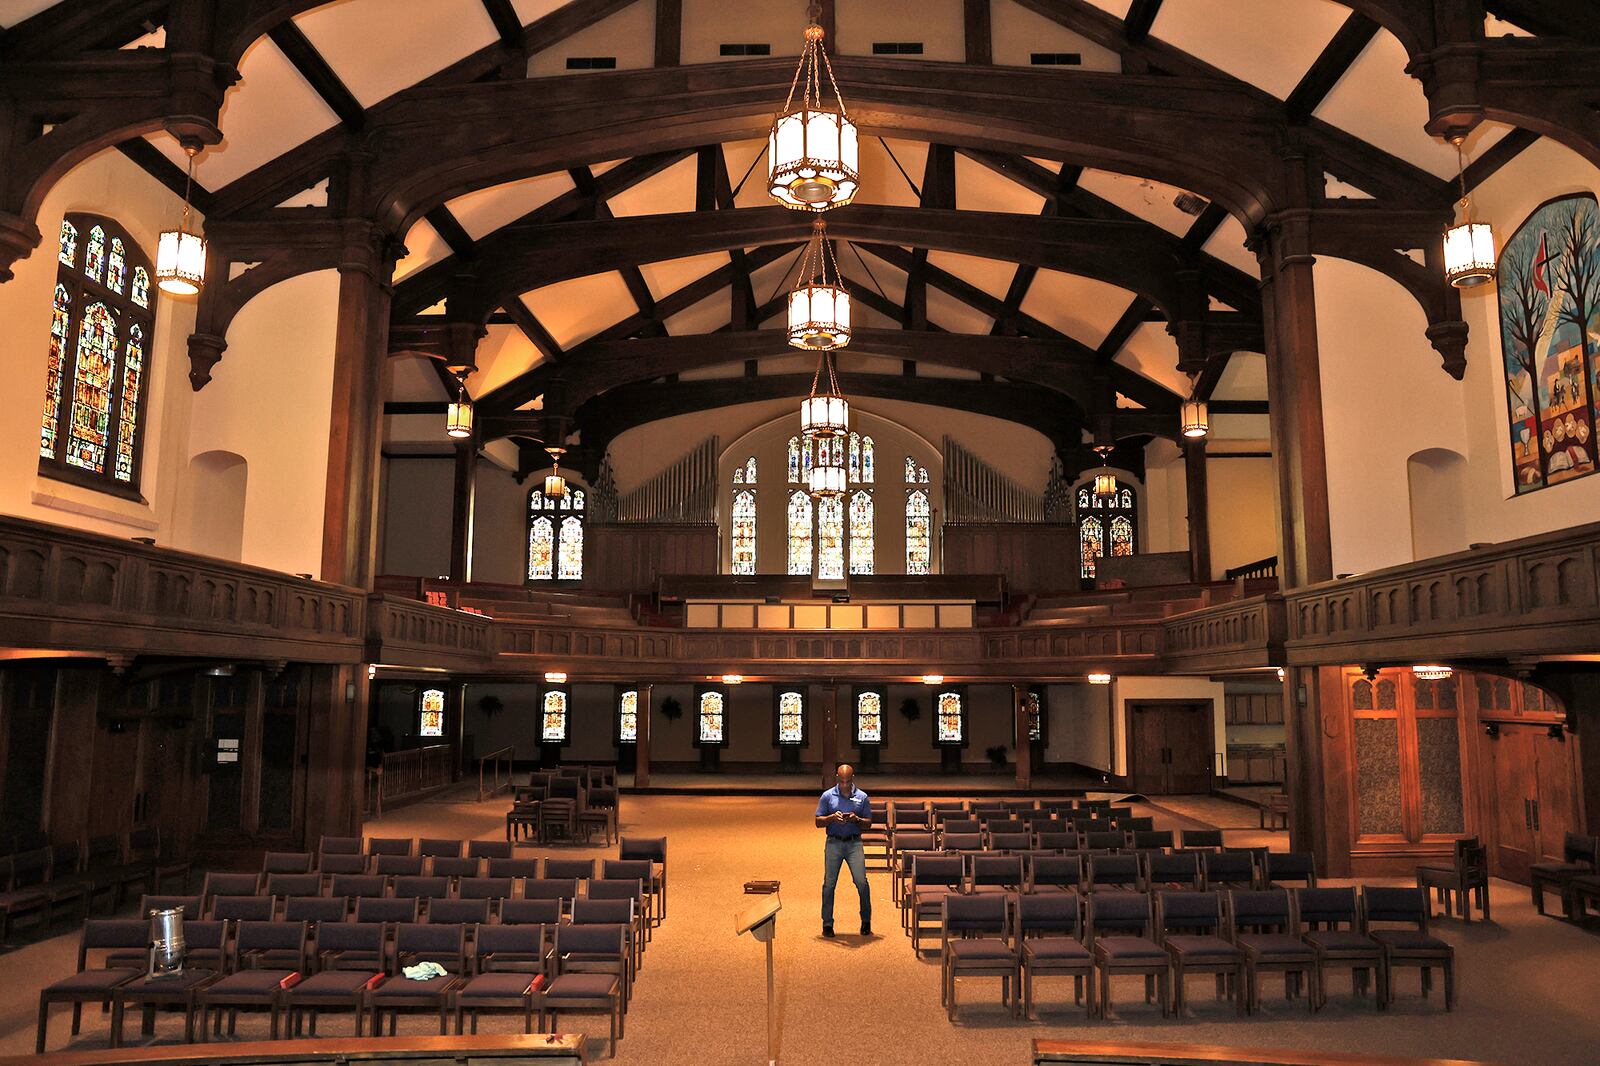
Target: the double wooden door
(1533, 803)
(1170, 747)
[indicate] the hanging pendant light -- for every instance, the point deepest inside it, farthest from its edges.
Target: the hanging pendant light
(555, 486)
(181, 253)
(1105, 482)
(826, 478)
(1195, 417)
(812, 147)
(819, 306)
(825, 413)
(1469, 257)
(458, 416)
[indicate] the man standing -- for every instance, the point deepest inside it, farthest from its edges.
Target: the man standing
(843, 812)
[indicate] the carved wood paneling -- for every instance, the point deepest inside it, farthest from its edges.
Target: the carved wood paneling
(1236, 635)
(1029, 555)
(627, 557)
(65, 589)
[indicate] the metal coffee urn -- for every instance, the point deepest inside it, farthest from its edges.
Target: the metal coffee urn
(167, 946)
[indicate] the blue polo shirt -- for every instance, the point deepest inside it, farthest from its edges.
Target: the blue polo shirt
(855, 803)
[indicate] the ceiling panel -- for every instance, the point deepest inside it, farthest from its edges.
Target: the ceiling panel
(712, 313)
(742, 158)
(14, 11)
(481, 213)
(1146, 198)
(629, 37)
(1154, 354)
(1245, 378)
(1082, 308)
(890, 279)
(670, 191)
(1018, 33)
(934, 24)
(1268, 43)
(881, 181)
(577, 309)
(779, 24)
(270, 111)
(1379, 102)
(412, 379)
(533, 10)
(671, 275)
(424, 247)
(1118, 8)
(980, 189)
(949, 313)
(990, 275)
(378, 47)
(503, 354)
(1227, 244)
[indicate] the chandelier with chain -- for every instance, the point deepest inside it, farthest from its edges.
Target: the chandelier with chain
(181, 252)
(812, 148)
(1468, 245)
(1105, 482)
(825, 413)
(555, 486)
(819, 306)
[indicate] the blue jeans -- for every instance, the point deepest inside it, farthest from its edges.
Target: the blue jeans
(850, 853)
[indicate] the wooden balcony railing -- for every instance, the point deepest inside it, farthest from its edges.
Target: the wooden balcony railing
(414, 772)
(1238, 635)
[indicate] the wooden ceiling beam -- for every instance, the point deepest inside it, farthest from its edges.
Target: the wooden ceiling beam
(322, 78)
(1330, 65)
(1022, 279)
(506, 22)
(1140, 18)
(1498, 154)
(148, 158)
(534, 330)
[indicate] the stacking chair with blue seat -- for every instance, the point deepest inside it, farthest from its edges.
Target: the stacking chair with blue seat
(587, 970)
(933, 877)
(350, 959)
(1179, 869)
(206, 941)
(243, 908)
(356, 886)
(253, 981)
(1049, 872)
(654, 851)
(127, 937)
(1119, 927)
(340, 863)
(1409, 946)
(530, 912)
(389, 845)
(1048, 927)
(1281, 869)
(415, 943)
(1115, 872)
(287, 862)
(975, 941)
(1332, 921)
(508, 974)
(1191, 926)
(1263, 924)
(464, 912)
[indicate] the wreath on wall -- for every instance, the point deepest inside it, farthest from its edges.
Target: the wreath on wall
(671, 709)
(910, 709)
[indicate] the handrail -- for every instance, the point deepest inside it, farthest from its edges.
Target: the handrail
(414, 771)
(1267, 567)
(1142, 1053)
(517, 1048)
(506, 756)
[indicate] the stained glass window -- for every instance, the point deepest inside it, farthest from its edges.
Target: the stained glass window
(555, 541)
(541, 549)
(553, 719)
(861, 540)
(799, 533)
(830, 538)
(628, 717)
(869, 718)
(1035, 716)
(919, 532)
(791, 718)
(94, 376)
(952, 727)
(98, 364)
(794, 460)
(1091, 543)
(68, 253)
(94, 261)
(744, 532)
(709, 729)
(746, 474)
(1107, 526)
(916, 473)
(860, 459)
(430, 721)
(52, 382)
(132, 381)
(117, 267)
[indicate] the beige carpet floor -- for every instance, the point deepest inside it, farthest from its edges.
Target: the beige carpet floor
(1528, 985)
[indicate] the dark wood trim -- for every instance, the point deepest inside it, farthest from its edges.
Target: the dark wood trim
(669, 32)
(300, 52)
(1351, 39)
(978, 31)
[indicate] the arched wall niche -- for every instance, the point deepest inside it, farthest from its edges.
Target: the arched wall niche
(212, 520)
(1437, 480)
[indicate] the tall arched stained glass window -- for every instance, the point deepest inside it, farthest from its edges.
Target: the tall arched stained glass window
(745, 474)
(709, 721)
(628, 717)
(794, 460)
(555, 535)
(430, 713)
(744, 532)
(830, 538)
(799, 533)
(869, 718)
(553, 720)
(861, 463)
(861, 539)
(791, 717)
(919, 532)
(950, 720)
(97, 369)
(1106, 526)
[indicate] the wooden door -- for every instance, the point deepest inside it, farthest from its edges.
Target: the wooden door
(1147, 748)
(1554, 795)
(1510, 760)
(1189, 748)
(116, 777)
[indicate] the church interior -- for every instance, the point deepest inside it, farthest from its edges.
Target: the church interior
(477, 470)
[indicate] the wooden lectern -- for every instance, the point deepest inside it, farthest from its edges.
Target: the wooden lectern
(760, 920)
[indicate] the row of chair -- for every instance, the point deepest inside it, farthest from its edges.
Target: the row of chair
(562, 810)
(42, 877)
(1167, 936)
(278, 968)
(1576, 878)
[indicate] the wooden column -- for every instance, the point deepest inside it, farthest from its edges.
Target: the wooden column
(669, 32)
(641, 747)
(1194, 469)
(975, 19)
(355, 434)
(335, 751)
(1294, 391)
(1024, 746)
(462, 503)
(830, 732)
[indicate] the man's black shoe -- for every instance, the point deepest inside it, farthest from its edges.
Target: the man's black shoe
(866, 928)
(827, 931)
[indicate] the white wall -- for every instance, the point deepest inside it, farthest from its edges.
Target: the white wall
(107, 184)
(1080, 726)
(270, 401)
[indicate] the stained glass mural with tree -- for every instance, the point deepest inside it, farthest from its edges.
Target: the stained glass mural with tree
(830, 538)
(950, 726)
(743, 546)
(709, 721)
(1549, 289)
(97, 368)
